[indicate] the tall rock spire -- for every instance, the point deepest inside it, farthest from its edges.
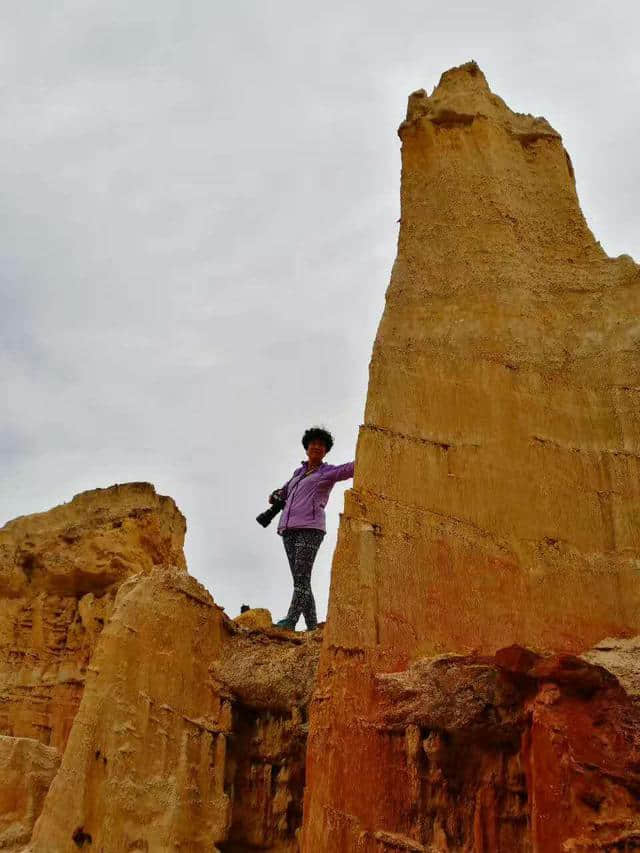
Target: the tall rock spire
(498, 463)
(495, 497)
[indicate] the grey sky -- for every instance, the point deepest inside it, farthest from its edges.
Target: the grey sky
(198, 223)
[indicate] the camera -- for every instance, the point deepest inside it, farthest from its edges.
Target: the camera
(265, 518)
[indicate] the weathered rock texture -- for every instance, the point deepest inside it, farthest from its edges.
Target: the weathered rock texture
(26, 770)
(181, 730)
(622, 658)
(190, 733)
(59, 572)
(144, 765)
(517, 752)
(496, 501)
(268, 675)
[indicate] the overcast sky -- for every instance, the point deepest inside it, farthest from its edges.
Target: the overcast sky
(198, 222)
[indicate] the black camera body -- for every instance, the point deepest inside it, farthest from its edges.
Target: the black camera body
(265, 518)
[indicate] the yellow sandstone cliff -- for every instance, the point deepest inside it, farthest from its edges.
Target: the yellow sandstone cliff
(499, 461)
(148, 718)
(59, 571)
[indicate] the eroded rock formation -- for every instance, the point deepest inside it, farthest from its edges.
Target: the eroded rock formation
(495, 502)
(148, 718)
(476, 687)
(27, 768)
(59, 573)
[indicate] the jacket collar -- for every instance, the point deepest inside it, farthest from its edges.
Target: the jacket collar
(321, 465)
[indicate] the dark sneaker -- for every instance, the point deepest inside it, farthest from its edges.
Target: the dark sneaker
(287, 626)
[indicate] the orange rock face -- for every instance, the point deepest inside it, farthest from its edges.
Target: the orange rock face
(495, 501)
(178, 743)
(167, 725)
(59, 572)
(144, 765)
(26, 770)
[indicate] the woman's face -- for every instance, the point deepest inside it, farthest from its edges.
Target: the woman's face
(316, 450)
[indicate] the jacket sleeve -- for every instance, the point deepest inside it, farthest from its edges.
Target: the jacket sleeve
(285, 489)
(341, 472)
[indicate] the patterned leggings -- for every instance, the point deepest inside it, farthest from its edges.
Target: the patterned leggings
(301, 545)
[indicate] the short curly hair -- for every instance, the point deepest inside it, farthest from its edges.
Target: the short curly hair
(315, 433)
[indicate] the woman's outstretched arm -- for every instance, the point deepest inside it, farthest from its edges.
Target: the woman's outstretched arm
(341, 472)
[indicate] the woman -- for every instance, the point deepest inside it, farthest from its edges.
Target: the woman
(302, 523)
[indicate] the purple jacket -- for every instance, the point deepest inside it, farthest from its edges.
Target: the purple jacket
(306, 497)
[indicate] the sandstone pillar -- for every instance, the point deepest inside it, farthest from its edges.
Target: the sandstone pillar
(496, 496)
